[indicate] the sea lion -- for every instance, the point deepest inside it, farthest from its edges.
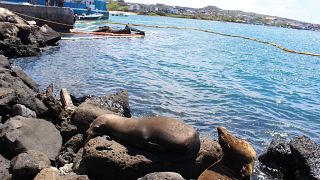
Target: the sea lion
(156, 134)
(237, 161)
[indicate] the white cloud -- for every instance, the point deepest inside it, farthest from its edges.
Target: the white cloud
(306, 10)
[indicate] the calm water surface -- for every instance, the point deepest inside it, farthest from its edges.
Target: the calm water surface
(255, 90)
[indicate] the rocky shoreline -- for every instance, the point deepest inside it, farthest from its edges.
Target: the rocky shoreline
(44, 137)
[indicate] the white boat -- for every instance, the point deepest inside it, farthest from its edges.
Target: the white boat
(95, 16)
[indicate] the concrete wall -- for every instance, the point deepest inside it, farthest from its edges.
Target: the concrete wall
(63, 17)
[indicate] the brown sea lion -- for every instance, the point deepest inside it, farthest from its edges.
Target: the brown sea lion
(237, 161)
(156, 134)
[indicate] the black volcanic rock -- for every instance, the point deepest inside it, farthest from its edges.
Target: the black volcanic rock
(278, 154)
(29, 163)
(20, 134)
(306, 154)
(93, 107)
(103, 154)
(297, 159)
(19, 39)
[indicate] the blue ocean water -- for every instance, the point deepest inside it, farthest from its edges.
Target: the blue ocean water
(255, 90)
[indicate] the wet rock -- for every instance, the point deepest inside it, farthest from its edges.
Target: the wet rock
(297, 159)
(93, 107)
(25, 78)
(4, 168)
(162, 175)
(21, 110)
(123, 161)
(20, 134)
(306, 154)
(54, 174)
(29, 163)
(69, 149)
(278, 154)
(4, 62)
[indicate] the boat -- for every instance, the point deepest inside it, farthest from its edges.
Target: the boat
(111, 32)
(95, 16)
(79, 7)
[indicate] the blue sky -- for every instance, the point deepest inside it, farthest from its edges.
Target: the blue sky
(304, 10)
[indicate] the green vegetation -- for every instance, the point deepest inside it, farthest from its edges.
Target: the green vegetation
(114, 6)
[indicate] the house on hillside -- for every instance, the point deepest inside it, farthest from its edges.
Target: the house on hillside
(134, 7)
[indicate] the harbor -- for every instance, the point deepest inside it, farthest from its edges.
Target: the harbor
(120, 96)
(60, 15)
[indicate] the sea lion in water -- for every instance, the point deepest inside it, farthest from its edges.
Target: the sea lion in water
(156, 134)
(237, 161)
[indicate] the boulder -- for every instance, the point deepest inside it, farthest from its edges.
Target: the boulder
(21, 134)
(306, 154)
(18, 38)
(21, 110)
(162, 175)
(123, 161)
(27, 97)
(4, 62)
(297, 159)
(13, 90)
(47, 36)
(25, 78)
(93, 107)
(278, 154)
(4, 168)
(54, 174)
(48, 174)
(29, 163)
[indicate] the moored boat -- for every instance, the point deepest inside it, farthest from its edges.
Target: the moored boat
(95, 16)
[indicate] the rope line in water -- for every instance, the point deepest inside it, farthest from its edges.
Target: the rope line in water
(195, 29)
(228, 35)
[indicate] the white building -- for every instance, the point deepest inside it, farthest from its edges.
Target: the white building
(134, 7)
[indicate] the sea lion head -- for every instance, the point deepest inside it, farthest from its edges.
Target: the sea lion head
(237, 150)
(99, 126)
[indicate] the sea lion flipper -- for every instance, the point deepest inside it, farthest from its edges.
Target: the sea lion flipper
(155, 147)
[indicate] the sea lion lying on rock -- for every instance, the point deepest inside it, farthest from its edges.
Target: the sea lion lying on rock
(156, 134)
(237, 162)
